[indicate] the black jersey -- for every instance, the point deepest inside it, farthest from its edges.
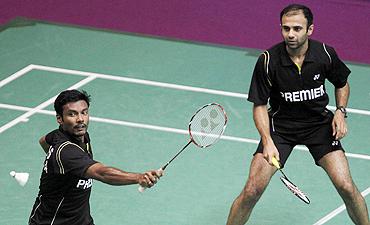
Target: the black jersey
(295, 93)
(64, 192)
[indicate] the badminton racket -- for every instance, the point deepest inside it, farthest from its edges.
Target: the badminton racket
(205, 128)
(292, 187)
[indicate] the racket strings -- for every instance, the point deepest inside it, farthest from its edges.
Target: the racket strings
(207, 125)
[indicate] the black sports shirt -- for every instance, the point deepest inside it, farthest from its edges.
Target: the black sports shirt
(64, 192)
(295, 93)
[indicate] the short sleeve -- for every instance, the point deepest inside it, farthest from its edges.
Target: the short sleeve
(51, 138)
(260, 87)
(339, 72)
(73, 160)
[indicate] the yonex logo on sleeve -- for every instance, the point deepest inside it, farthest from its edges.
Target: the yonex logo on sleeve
(303, 95)
(316, 77)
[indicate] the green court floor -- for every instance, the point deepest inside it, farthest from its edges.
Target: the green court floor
(144, 91)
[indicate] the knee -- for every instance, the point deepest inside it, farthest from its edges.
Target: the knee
(347, 189)
(251, 194)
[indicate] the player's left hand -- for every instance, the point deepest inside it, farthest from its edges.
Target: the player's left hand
(339, 125)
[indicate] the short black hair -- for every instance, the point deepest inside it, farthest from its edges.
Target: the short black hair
(68, 96)
(296, 7)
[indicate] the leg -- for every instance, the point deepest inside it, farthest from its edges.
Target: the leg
(336, 166)
(260, 174)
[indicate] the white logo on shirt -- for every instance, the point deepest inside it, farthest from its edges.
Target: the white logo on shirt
(51, 149)
(84, 184)
(316, 77)
(335, 143)
(303, 95)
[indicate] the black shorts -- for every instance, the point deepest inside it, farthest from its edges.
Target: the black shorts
(316, 135)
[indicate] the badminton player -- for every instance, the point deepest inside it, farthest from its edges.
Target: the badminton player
(291, 76)
(69, 167)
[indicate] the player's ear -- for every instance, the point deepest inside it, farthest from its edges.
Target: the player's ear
(59, 119)
(310, 30)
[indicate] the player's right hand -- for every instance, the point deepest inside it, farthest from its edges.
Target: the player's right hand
(270, 151)
(149, 178)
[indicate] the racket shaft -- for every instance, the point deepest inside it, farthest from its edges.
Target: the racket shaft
(164, 167)
(142, 189)
(283, 174)
(276, 163)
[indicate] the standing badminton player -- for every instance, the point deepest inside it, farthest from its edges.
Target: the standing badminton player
(69, 167)
(291, 77)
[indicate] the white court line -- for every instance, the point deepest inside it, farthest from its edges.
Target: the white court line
(140, 81)
(26, 115)
(152, 83)
(350, 110)
(338, 210)
(26, 109)
(157, 84)
(165, 85)
(164, 129)
(125, 123)
(16, 75)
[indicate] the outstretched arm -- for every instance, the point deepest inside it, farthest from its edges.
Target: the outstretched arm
(261, 119)
(114, 176)
(339, 124)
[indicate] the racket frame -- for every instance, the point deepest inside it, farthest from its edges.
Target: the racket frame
(191, 135)
(218, 136)
(294, 189)
(290, 185)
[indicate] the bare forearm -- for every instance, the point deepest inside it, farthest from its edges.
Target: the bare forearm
(261, 120)
(111, 175)
(339, 124)
(342, 95)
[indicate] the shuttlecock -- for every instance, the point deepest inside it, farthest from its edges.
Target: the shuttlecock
(21, 178)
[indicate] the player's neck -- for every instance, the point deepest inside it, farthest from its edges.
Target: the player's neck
(297, 55)
(81, 138)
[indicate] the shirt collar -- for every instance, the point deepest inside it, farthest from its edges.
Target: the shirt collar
(285, 59)
(74, 139)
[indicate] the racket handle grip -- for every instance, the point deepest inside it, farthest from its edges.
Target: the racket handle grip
(275, 162)
(141, 189)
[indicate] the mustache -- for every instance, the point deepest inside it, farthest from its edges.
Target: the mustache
(81, 125)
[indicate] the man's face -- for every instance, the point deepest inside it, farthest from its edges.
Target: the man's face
(75, 118)
(294, 30)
